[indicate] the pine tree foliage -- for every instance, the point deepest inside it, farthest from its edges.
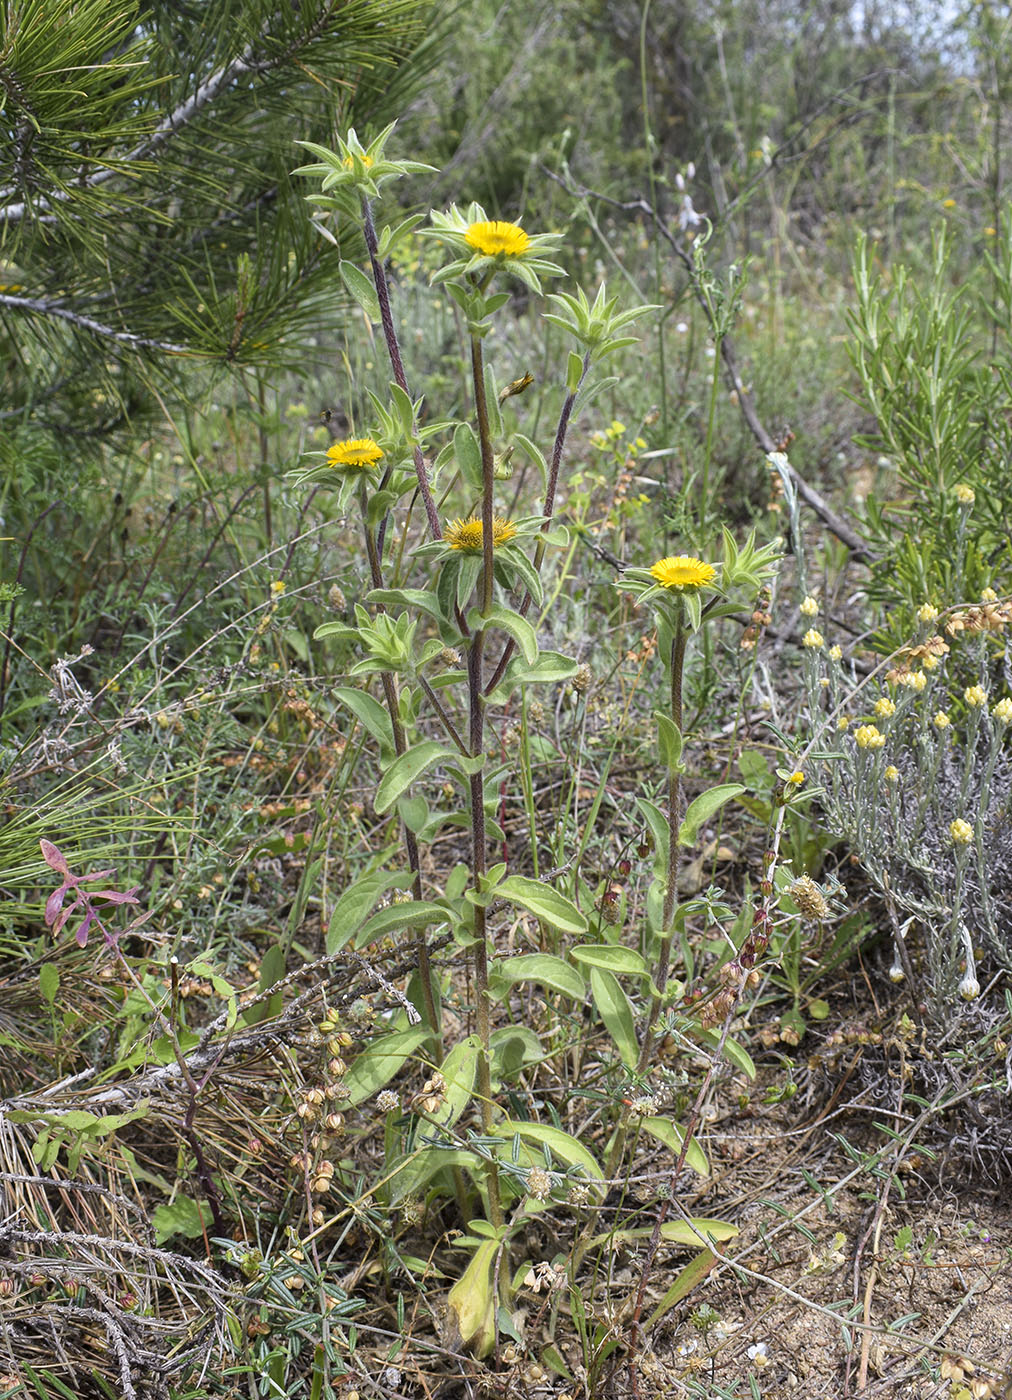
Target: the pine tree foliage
(148, 220)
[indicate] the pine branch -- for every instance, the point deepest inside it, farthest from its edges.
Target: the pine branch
(74, 318)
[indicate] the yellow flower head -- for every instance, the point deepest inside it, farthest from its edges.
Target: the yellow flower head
(869, 737)
(358, 453)
(1003, 711)
(913, 680)
(349, 163)
(495, 237)
(796, 778)
(891, 773)
(836, 653)
(975, 696)
(885, 707)
(961, 832)
(466, 535)
(964, 494)
(989, 596)
(942, 720)
(809, 607)
(682, 572)
(813, 639)
(927, 612)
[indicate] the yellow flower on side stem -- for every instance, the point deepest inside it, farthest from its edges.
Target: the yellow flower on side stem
(467, 536)
(961, 832)
(495, 237)
(358, 453)
(682, 572)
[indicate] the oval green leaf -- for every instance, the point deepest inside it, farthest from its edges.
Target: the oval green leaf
(378, 1064)
(413, 913)
(544, 968)
(405, 769)
(560, 1144)
(616, 1012)
(611, 958)
(702, 808)
(672, 1137)
(544, 902)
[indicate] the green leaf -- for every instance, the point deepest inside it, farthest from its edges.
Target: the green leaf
(411, 913)
(657, 824)
(548, 669)
(49, 981)
(616, 1012)
(422, 1166)
(459, 1070)
(610, 957)
(181, 1217)
(560, 1144)
(734, 1051)
(754, 768)
(685, 1281)
(670, 741)
(356, 904)
(534, 452)
(413, 812)
(674, 1231)
(672, 1136)
(537, 967)
(574, 371)
(702, 808)
(467, 452)
(369, 713)
(272, 969)
(518, 628)
(513, 1047)
(406, 769)
(361, 288)
(544, 902)
(420, 598)
(378, 1064)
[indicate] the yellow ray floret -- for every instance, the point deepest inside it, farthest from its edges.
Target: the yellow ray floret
(494, 236)
(354, 452)
(466, 535)
(682, 572)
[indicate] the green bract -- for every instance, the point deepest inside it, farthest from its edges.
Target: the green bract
(595, 324)
(354, 171)
(528, 264)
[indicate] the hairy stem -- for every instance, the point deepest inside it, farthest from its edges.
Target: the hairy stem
(390, 696)
(476, 736)
(379, 278)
